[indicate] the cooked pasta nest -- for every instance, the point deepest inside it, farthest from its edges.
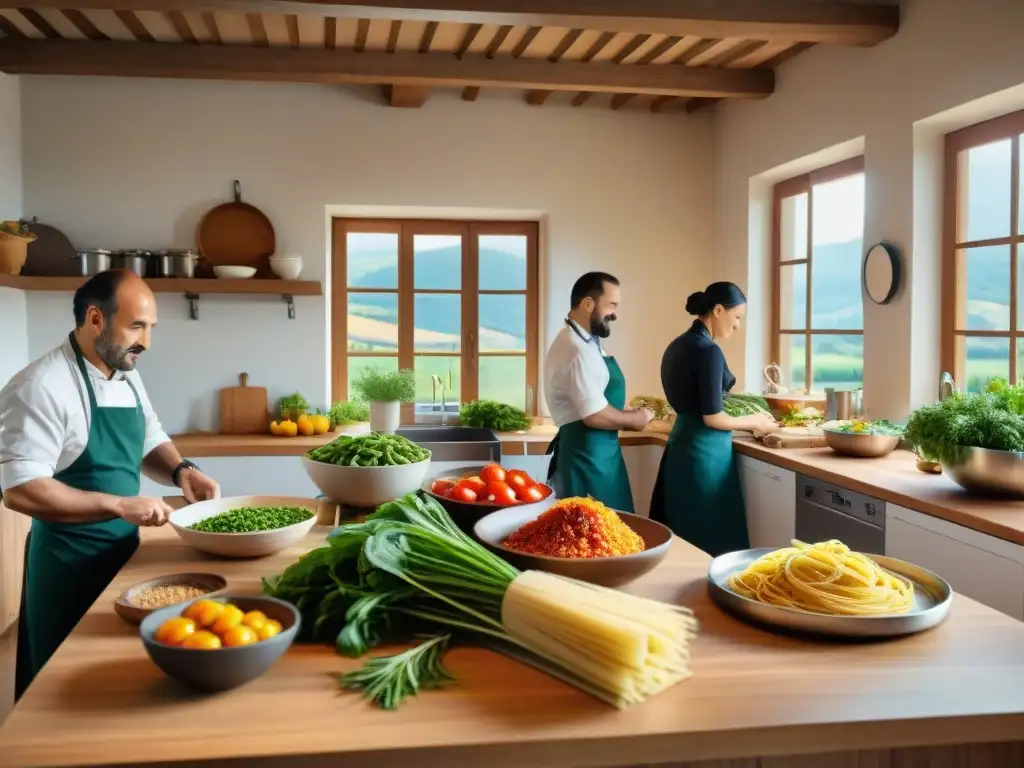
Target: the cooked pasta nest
(826, 578)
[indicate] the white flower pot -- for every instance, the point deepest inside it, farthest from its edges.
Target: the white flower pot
(385, 415)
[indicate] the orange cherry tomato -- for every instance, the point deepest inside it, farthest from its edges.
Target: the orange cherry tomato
(240, 635)
(175, 630)
(492, 473)
(530, 494)
(202, 640)
(518, 479)
(500, 493)
(475, 484)
(269, 629)
(442, 487)
(462, 493)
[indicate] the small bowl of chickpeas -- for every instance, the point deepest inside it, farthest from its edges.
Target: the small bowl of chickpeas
(216, 644)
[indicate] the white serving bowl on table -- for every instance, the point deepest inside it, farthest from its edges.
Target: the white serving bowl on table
(365, 486)
(254, 544)
(611, 571)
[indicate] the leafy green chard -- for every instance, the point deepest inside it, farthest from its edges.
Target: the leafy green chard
(740, 404)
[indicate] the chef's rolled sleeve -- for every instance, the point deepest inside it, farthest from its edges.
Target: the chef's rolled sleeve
(583, 385)
(31, 434)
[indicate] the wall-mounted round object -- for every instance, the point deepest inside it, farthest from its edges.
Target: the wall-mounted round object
(881, 272)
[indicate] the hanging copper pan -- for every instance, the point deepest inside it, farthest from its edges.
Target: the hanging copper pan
(237, 234)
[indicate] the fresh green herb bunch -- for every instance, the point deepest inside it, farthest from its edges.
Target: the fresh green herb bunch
(252, 519)
(978, 419)
(742, 404)
(370, 450)
(386, 386)
(292, 406)
(490, 414)
(349, 412)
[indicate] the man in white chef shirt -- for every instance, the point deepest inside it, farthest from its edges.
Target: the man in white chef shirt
(586, 395)
(76, 431)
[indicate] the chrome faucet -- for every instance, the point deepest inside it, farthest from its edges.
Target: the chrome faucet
(435, 385)
(947, 385)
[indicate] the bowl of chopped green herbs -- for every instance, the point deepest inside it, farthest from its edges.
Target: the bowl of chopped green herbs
(367, 470)
(245, 526)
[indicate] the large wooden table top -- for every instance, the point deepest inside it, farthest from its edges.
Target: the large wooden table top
(100, 700)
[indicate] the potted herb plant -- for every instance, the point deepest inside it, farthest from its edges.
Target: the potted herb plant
(292, 406)
(346, 412)
(386, 391)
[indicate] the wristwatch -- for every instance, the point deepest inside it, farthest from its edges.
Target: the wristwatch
(185, 464)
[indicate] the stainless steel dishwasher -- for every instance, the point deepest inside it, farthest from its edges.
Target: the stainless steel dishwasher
(825, 511)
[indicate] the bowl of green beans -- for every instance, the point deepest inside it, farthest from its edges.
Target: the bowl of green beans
(245, 526)
(367, 470)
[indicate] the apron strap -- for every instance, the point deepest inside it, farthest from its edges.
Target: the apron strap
(80, 359)
(552, 451)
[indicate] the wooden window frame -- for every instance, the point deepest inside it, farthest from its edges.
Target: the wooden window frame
(954, 221)
(469, 352)
(803, 184)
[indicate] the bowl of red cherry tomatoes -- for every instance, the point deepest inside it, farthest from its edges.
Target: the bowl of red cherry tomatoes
(468, 493)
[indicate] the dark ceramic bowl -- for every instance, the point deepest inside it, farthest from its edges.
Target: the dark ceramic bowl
(611, 571)
(223, 668)
(466, 514)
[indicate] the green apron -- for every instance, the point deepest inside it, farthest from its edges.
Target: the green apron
(68, 565)
(588, 462)
(698, 492)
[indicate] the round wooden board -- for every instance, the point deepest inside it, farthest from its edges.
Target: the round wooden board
(237, 234)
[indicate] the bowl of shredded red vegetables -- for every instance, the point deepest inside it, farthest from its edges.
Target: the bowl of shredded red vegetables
(576, 537)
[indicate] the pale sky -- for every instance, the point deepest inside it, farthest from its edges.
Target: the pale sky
(838, 211)
(370, 242)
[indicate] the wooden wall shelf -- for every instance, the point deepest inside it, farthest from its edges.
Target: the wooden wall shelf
(192, 288)
(197, 285)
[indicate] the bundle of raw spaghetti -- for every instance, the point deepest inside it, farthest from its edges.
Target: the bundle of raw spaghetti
(576, 527)
(824, 578)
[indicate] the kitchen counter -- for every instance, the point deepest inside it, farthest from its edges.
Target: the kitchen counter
(893, 478)
(100, 700)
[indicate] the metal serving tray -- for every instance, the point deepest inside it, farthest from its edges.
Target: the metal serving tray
(932, 598)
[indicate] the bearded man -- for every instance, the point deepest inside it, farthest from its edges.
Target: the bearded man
(586, 396)
(76, 431)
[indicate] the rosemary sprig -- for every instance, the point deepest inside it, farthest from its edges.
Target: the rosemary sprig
(388, 680)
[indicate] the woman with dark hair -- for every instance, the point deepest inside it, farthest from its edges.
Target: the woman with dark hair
(698, 493)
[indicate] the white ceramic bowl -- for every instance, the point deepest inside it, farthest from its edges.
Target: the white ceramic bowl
(257, 544)
(365, 486)
(234, 273)
(286, 267)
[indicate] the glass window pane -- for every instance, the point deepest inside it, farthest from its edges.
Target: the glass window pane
(793, 360)
(984, 302)
(1020, 186)
(437, 261)
(438, 322)
(793, 226)
(503, 379)
(502, 322)
(448, 369)
(1020, 360)
(982, 359)
(1020, 286)
(502, 262)
(372, 260)
(985, 192)
(838, 223)
(793, 297)
(372, 322)
(356, 365)
(837, 361)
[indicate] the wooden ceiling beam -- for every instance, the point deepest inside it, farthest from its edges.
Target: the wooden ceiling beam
(822, 21)
(171, 60)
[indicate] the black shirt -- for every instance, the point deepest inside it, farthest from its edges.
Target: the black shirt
(694, 373)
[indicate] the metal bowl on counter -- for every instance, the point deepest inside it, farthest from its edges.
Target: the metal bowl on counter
(860, 444)
(987, 472)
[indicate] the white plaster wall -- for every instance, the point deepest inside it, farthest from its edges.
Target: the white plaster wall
(893, 101)
(135, 163)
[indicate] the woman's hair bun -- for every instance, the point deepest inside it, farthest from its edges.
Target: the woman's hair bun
(696, 303)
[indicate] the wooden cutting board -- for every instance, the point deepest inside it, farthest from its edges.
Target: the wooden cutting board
(243, 409)
(796, 437)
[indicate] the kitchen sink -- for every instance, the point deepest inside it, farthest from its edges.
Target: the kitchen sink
(466, 444)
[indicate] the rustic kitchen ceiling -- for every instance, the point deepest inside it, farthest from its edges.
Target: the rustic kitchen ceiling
(653, 54)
